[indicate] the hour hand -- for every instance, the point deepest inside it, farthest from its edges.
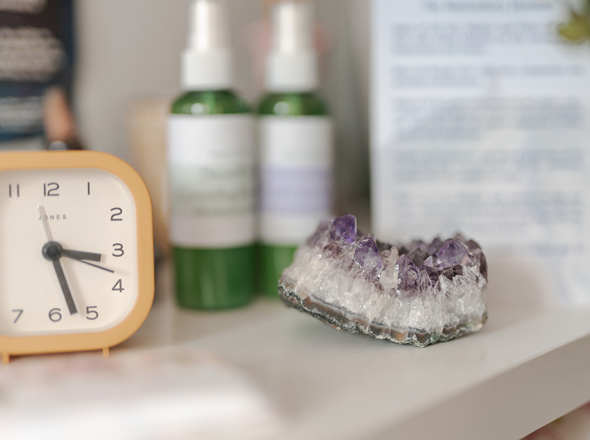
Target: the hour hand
(53, 251)
(79, 255)
(84, 257)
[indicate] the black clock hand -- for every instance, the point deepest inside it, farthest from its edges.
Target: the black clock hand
(79, 255)
(76, 255)
(64, 287)
(54, 248)
(51, 252)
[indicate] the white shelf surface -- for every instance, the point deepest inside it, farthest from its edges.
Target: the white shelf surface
(528, 366)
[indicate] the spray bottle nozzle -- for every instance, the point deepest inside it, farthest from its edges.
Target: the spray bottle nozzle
(207, 59)
(293, 27)
(291, 64)
(208, 26)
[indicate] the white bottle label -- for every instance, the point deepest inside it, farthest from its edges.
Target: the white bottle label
(211, 160)
(295, 177)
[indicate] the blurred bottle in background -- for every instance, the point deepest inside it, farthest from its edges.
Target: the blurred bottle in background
(148, 137)
(36, 69)
(211, 160)
(295, 143)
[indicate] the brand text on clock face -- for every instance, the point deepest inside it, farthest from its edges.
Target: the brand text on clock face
(54, 217)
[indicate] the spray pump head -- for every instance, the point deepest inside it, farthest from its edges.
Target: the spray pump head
(292, 60)
(207, 60)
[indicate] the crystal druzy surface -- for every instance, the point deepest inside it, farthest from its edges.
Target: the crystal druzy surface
(417, 294)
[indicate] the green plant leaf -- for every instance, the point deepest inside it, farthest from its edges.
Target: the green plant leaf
(577, 30)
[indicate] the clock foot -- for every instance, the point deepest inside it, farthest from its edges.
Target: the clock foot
(5, 358)
(105, 352)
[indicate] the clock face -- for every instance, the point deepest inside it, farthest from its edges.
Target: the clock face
(74, 268)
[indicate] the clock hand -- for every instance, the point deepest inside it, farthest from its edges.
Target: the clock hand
(52, 252)
(93, 265)
(45, 224)
(79, 255)
(75, 255)
(64, 287)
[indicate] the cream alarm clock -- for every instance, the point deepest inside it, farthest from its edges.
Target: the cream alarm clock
(76, 252)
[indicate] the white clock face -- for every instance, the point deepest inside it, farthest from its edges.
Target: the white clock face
(76, 271)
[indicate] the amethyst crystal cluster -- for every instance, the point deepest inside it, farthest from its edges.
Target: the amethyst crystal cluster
(417, 294)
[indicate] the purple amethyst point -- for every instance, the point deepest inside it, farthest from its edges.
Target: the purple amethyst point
(367, 256)
(407, 273)
(417, 244)
(343, 229)
(452, 252)
(434, 263)
(434, 246)
(418, 256)
(452, 272)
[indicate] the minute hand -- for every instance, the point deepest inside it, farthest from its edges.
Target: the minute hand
(64, 286)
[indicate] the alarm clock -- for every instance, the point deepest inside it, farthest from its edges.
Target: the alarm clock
(76, 252)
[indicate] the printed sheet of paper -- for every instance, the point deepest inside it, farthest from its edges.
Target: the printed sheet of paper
(480, 124)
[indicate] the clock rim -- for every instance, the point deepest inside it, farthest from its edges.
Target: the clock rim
(56, 343)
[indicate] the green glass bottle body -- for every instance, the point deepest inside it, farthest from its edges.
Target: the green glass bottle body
(273, 258)
(212, 277)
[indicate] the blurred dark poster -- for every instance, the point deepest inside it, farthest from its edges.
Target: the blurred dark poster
(36, 55)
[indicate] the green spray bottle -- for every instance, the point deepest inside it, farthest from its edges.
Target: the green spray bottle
(295, 143)
(212, 177)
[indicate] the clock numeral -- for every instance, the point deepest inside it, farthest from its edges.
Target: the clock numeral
(54, 315)
(16, 191)
(118, 287)
(89, 312)
(116, 217)
(88, 188)
(118, 247)
(18, 312)
(49, 189)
